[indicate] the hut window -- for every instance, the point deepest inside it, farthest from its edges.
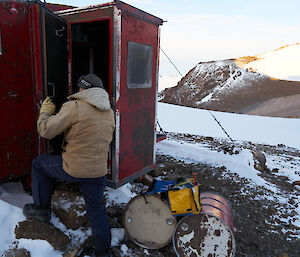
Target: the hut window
(139, 65)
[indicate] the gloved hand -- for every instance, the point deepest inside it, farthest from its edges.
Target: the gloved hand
(48, 106)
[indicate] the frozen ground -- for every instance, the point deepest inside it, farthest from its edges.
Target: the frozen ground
(265, 203)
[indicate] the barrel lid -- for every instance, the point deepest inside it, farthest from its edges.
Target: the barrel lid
(203, 235)
(148, 221)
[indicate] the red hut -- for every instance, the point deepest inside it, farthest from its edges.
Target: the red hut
(44, 53)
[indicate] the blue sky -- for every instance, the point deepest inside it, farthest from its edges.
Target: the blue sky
(199, 30)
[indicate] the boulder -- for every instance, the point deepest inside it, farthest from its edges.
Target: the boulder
(16, 252)
(33, 229)
(70, 208)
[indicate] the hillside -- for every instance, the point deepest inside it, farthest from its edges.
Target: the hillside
(243, 85)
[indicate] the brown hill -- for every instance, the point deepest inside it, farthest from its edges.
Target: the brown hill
(227, 86)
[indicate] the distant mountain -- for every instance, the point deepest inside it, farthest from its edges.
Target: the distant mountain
(251, 85)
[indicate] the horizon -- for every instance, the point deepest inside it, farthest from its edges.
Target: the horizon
(216, 30)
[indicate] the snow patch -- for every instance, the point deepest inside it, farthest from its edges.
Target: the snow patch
(257, 129)
(282, 63)
(117, 235)
(122, 195)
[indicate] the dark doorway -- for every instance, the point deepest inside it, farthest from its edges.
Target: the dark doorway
(90, 51)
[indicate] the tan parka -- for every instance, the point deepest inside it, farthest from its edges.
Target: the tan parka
(87, 121)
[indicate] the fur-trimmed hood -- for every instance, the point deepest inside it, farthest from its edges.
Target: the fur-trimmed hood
(95, 96)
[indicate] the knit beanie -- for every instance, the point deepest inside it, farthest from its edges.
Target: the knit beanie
(89, 81)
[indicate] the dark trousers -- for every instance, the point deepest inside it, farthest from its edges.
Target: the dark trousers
(45, 168)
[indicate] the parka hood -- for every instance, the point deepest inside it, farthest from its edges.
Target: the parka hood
(95, 96)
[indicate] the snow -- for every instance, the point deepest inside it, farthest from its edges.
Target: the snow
(122, 195)
(258, 129)
(167, 81)
(38, 248)
(240, 164)
(282, 63)
(10, 216)
(243, 127)
(118, 235)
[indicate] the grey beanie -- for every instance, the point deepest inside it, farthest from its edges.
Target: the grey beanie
(89, 81)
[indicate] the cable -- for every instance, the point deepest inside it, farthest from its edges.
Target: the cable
(221, 126)
(171, 62)
(207, 110)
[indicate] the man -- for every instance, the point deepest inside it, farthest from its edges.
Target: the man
(87, 121)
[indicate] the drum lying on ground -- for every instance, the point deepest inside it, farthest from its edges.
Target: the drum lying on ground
(217, 205)
(148, 221)
(208, 233)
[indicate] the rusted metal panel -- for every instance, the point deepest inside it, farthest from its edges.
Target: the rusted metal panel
(209, 233)
(23, 85)
(215, 204)
(18, 134)
(85, 15)
(137, 118)
(116, 92)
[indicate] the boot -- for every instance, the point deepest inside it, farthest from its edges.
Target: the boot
(101, 247)
(39, 213)
(106, 253)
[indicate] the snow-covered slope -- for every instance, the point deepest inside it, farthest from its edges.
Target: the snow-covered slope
(283, 63)
(257, 129)
(240, 85)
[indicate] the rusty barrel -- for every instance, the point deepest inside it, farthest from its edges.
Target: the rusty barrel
(148, 221)
(209, 233)
(217, 205)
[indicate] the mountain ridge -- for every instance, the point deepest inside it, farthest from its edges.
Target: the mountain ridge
(233, 85)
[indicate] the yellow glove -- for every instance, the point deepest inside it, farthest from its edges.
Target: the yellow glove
(48, 106)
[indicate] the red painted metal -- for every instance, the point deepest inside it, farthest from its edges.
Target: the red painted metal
(23, 84)
(18, 133)
(137, 106)
(58, 7)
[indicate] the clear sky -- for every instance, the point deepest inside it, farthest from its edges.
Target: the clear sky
(198, 30)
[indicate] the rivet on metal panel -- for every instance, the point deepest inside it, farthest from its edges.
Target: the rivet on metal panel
(184, 227)
(170, 221)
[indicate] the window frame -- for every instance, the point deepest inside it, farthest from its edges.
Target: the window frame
(132, 46)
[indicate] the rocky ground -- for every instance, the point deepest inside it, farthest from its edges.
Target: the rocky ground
(263, 227)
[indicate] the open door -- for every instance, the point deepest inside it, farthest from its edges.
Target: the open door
(54, 65)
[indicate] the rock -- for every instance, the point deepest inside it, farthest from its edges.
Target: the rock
(260, 157)
(16, 252)
(283, 255)
(117, 252)
(69, 207)
(296, 183)
(72, 253)
(33, 229)
(259, 167)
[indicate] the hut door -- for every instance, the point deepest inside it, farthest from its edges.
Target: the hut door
(55, 64)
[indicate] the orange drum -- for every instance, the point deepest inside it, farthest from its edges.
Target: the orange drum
(215, 204)
(148, 221)
(209, 233)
